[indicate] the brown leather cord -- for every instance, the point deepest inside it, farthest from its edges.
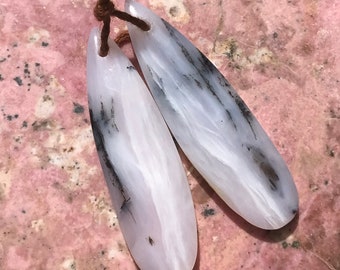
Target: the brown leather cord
(103, 11)
(122, 38)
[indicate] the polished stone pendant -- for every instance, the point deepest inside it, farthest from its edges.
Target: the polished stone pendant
(141, 165)
(213, 126)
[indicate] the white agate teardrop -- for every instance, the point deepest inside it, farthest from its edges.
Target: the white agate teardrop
(141, 165)
(212, 124)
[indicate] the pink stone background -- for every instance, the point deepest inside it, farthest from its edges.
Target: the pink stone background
(283, 58)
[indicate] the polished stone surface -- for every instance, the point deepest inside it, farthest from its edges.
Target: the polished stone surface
(212, 125)
(141, 165)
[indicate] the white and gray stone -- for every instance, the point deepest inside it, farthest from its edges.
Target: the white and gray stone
(213, 126)
(141, 165)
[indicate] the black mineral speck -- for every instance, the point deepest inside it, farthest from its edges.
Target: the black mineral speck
(208, 212)
(151, 242)
(44, 44)
(40, 125)
(11, 117)
(77, 108)
(18, 80)
(174, 11)
(296, 244)
(331, 153)
(26, 71)
(1, 78)
(24, 124)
